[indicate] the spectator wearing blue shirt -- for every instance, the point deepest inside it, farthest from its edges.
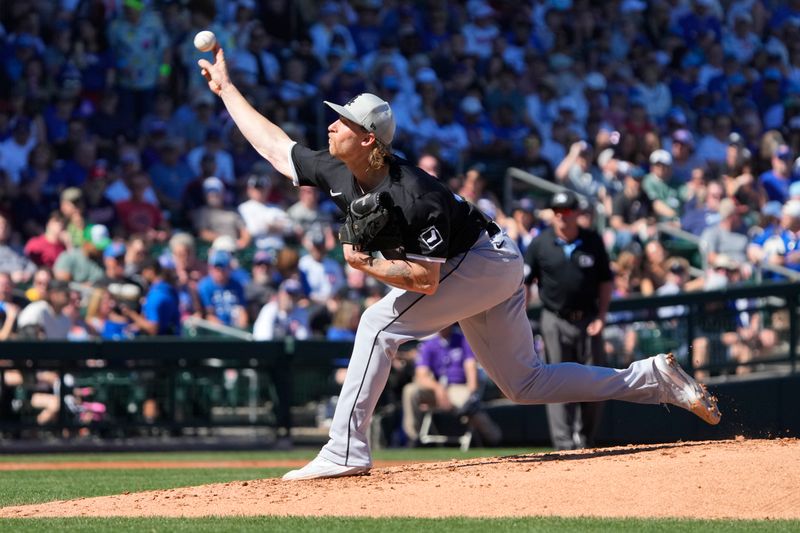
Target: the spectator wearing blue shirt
(700, 25)
(171, 175)
(776, 181)
(779, 245)
(222, 297)
(160, 314)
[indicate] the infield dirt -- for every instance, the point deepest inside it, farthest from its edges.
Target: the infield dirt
(746, 479)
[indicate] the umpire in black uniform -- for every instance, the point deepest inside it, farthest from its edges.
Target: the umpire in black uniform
(571, 266)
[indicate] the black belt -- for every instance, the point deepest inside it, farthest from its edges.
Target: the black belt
(571, 314)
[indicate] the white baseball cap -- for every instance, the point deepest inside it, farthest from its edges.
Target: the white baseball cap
(369, 112)
(661, 156)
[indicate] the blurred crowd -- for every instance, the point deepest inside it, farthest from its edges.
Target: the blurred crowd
(129, 202)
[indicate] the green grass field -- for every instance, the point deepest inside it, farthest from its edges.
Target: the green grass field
(22, 487)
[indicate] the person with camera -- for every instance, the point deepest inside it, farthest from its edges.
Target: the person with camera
(159, 314)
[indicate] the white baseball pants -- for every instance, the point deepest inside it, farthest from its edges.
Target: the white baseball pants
(483, 291)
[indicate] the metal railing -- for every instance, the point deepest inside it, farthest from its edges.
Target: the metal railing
(716, 323)
(196, 327)
(214, 381)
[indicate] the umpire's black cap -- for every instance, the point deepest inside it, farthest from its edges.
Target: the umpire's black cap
(565, 200)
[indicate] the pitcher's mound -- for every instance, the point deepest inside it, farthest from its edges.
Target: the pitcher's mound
(756, 479)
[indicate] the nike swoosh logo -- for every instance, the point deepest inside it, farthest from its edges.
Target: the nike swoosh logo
(335, 193)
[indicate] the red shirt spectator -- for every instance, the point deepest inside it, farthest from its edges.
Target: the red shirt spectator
(136, 214)
(45, 249)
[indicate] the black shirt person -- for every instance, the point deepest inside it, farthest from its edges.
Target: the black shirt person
(572, 269)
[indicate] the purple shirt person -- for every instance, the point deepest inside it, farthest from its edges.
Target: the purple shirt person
(446, 378)
(445, 355)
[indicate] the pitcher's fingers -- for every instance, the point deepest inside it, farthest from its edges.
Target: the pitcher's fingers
(204, 64)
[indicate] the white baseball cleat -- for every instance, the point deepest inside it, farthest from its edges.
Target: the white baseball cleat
(678, 388)
(322, 468)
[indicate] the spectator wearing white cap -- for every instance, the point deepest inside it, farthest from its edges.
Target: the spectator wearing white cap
(658, 186)
(215, 219)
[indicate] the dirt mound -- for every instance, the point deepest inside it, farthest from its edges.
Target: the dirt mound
(756, 479)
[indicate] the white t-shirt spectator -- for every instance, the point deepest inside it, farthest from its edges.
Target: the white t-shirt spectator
(266, 223)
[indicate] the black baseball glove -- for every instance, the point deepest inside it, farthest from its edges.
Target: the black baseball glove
(369, 225)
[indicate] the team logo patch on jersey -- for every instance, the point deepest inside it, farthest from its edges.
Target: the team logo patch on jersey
(585, 261)
(430, 239)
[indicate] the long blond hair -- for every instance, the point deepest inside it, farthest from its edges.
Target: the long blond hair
(379, 156)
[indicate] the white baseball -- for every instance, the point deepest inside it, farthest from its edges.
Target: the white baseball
(205, 40)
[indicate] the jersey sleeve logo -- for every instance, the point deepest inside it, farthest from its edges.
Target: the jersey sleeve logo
(430, 239)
